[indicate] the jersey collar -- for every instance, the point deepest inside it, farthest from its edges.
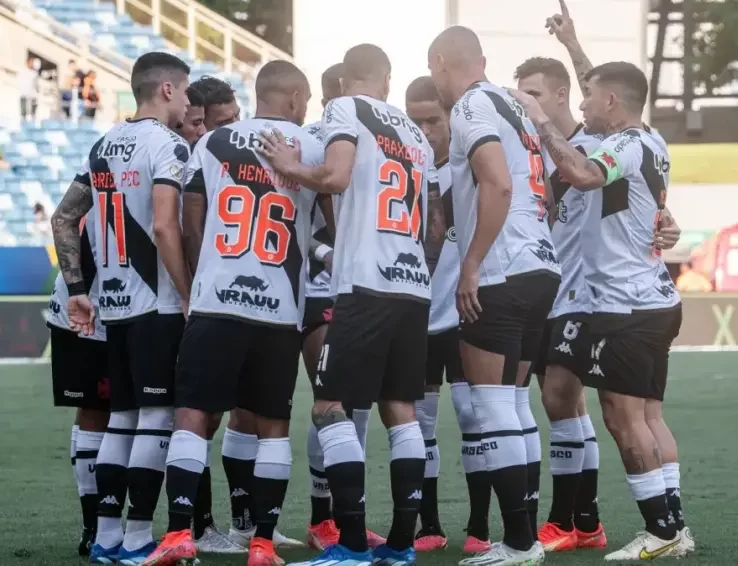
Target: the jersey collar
(576, 131)
(441, 163)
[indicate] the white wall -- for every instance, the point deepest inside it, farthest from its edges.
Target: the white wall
(325, 29)
(510, 31)
(514, 30)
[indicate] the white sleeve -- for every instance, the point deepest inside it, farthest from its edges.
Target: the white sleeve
(618, 156)
(312, 151)
(339, 121)
(169, 163)
(475, 121)
(83, 174)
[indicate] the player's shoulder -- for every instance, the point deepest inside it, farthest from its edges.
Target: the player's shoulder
(624, 141)
(316, 130)
(160, 138)
(339, 106)
(481, 99)
(586, 139)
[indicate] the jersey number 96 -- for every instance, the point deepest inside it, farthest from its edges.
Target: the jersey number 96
(239, 208)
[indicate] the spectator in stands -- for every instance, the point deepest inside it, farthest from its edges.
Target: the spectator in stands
(90, 94)
(71, 84)
(41, 227)
(28, 86)
(691, 280)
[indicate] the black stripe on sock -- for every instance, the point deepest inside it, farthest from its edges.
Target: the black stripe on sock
(121, 431)
(501, 434)
(568, 444)
(430, 443)
(531, 430)
(471, 437)
(153, 432)
(590, 439)
(317, 473)
(87, 454)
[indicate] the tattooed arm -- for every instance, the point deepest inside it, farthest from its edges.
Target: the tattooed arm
(65, 221)
(581, 172)
(435, 235)
(562, 25)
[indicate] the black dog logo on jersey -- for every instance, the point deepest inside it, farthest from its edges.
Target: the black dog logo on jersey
(545, 252)
(252, 282)
(405, 270)
(120, 302)
(248, 293)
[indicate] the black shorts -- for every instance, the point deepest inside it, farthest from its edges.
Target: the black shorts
(629, 353)
(318, 312)
(142, 355)
(513, 318)
(443, 357)
(374, 350)
(79, 371)
(226, 363)
(566, 343)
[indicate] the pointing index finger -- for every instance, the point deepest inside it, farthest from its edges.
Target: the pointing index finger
(564, 8)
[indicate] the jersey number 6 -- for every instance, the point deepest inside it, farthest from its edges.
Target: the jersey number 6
(237, 207)
(394, 178)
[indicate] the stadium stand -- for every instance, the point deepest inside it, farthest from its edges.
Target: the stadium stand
(41, 157)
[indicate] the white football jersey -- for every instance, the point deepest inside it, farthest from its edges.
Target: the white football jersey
(443, 313)
(122, 169)
(488, 113)
(383, 211)
(566, 232)
(318, 283)
(257, 228)
(623, 270)
(58, 314)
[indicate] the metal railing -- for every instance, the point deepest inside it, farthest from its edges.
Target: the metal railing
(204, 34)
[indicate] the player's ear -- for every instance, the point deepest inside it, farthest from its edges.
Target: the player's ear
(484, 62)
(343, 85)
(167, 90)
(562, 94)
(387, 84)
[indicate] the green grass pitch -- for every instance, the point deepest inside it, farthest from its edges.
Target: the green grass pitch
(39, 510)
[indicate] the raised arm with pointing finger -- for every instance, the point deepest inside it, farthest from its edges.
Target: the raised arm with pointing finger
(562, 26)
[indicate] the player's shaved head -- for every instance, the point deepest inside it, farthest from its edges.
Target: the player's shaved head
(331, 82)
(457, 45)
(279, 77)
(365, 63)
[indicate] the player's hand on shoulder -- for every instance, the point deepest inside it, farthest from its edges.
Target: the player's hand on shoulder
(81, 314)
(531, 106)
(562, 26)
(467, 302)
(281, 154)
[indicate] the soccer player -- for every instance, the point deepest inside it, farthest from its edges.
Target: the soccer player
(636, 310)
(509, 276)
(382, 166)
(322, 530)
(424, 107)
(221, 106)
(574, 454)
(241, 345)
(132, 180)
(79, 373)
(193, 127)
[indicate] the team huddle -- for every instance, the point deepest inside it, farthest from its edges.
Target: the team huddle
(482, 234)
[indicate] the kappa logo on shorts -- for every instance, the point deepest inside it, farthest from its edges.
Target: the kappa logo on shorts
(564, 348)
(405, 269)
(248, 293)
(155, 390)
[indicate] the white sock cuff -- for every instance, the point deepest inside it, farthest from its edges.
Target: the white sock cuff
(239, 445)
(340, 444)
(126, 420)
(498, 394)
(89, 440)
(274, 459)
(648, 485)
(188, 451)
(494, 408)
(671, 474)
(156, 418)
(426, 411)
(567, 430)
(406, 441)
(522, 395)
(587, 427)
(75, 430)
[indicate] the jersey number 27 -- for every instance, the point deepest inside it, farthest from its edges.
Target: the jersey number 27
(395, 181)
